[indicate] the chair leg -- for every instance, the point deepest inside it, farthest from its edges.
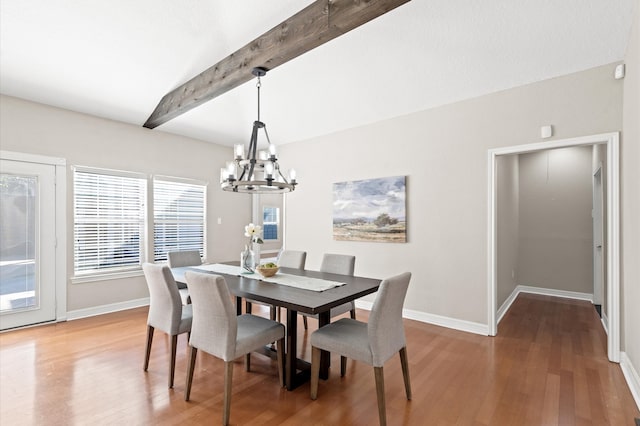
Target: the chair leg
(228, 377)
(353, 313)
(190, 368)
(247, 307)
(304, 321)
(405, 372)
(247, 362)
(343, 366)
(280, 360)
(382, 410)
(172, 367)
(149, 340)
(272, 313)
(315, 371)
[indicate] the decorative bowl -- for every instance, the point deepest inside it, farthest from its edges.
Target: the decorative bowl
(267, 271)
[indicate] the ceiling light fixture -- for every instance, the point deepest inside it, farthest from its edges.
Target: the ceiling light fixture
(259, 170)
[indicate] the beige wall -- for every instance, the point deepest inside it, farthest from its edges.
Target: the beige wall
(89, 141)
(443, 153)
(507, 225)
(630, 199)
(555, 238)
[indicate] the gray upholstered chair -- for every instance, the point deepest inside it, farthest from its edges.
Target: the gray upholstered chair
(166, 311)
(292, 259)
(176, 259)
(218, 331)
(373, 342)
(286, 259)
(342, 264)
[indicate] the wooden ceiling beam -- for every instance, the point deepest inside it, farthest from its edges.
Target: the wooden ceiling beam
(320, 22)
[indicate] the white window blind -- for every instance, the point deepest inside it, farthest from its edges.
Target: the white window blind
(109, 217)
(178, 217)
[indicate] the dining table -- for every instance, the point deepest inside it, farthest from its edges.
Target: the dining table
(293, 298)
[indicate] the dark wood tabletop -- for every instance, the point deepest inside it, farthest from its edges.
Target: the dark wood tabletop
(295, 300)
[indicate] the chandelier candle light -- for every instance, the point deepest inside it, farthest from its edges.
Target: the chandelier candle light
(259, 170)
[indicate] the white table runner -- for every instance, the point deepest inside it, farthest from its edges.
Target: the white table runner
(306, 283)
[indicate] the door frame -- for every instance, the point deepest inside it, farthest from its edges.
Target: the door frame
(60, 165)
(611, 140)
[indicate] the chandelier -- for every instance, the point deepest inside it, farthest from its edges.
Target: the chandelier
(256, 171)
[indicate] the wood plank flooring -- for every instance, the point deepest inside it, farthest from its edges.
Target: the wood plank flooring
(547, 366)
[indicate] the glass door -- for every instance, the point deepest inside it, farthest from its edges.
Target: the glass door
(27, 243)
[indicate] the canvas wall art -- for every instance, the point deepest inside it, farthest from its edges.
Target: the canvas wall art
(370, 210)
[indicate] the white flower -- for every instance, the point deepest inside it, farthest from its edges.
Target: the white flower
(253, 232)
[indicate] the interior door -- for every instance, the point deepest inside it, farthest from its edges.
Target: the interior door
(598, 240)
(27, 246)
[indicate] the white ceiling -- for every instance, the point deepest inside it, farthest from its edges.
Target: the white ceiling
(117, 58)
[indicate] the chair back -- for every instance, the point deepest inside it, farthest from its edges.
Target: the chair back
(177, 259)
(165, 304)
(342, 264)
(215, 326)
(385, 328)
(292, 259)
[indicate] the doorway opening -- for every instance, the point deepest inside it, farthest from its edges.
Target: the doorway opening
(611, 226)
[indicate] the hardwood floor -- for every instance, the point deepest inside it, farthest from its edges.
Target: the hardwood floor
(547, 366)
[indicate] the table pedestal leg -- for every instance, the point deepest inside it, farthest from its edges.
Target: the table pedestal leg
(238, 305)
(325, 358)
(291, 351)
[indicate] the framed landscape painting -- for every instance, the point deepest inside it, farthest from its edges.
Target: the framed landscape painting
(370, 210)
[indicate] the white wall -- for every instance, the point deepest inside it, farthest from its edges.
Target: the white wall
(630, 199)
(89, 141)
(443, 153)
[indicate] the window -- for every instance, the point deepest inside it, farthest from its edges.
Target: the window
(270, 220)
(178, 217)
(109, 220)
(111, 213)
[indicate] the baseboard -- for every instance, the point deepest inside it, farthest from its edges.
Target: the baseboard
(542, 291)
(556, 293)
(507, 304)
(106, 309)
(605, 322)
(631, 376)
(442, 321)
